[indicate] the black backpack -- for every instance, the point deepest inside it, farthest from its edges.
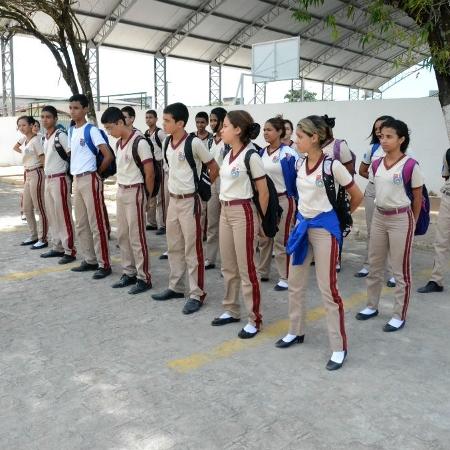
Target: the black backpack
(202, 182)
(339, 200)
(447, 158)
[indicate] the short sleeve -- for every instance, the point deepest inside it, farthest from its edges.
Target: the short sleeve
(144, 151)
(445, 168)
(371, 175)
(38, 147)
(97, 137)
(342, 175)
(200, 151)
(345, 153)
(417, 177)
(22, 140)
(256, 167)
(366, 159)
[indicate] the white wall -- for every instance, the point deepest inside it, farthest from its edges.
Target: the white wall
(354, 121)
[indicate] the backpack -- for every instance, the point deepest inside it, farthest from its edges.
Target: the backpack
(339, 200)
(447, 158)
(202, 182)
(112, 168)
(423, 220)
(337, 153)
(62, 152)
(157, 139)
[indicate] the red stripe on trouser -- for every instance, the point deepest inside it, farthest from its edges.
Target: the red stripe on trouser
(199, 247)
(334, 291)
(64, 191)
(250, 237)
(100, 222)
(41, 206)
(140, 215)
(287, 229)
(407, 264)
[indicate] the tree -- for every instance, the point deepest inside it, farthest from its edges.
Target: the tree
(433, 20)
(295, 95)
(67, 43)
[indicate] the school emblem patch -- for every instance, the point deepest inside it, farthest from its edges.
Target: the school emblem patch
(319, 181)
(181, 156)
(82, 142)
(275, 159)
(235, 172)
(397, 178)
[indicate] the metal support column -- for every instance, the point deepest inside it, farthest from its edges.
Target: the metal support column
(9, 96)
(377, 95)
(298, 85)
(215, 84)
(94, 74)
(260, 93)
(160, 80)
(327, 91)
(353, 93)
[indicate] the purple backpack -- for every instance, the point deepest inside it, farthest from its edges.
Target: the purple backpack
(424, 216)
(337, 153)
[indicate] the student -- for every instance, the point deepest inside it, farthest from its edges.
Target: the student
(317, 233)
(184, 233)
(37, 129)
(90, 222)
(375, 152)
(393, 223)
(33, 192)
(288, 130)
(442, 239)
(157, 206)
(216, 148)
(239, 222)
(273, 160)
(58, 185)
(131, 201)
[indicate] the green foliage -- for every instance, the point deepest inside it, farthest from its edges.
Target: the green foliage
(295, 95)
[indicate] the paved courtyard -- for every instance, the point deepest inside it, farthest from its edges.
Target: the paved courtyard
(83, 366)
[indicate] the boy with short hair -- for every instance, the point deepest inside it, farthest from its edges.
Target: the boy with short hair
(201, 122)
(131, 200)
(88, 187)
(184, 234)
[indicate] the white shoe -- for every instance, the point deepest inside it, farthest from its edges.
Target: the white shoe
(39, 244)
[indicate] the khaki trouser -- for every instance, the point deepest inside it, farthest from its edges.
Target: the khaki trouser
(325, 249)
(184, 244)
(391, 236)
(33, 201)
(58, 204)
(442, 240)
(213, 218)
(90, 219)
(157, 206)
(131, 236)
(238, 239)
(278, 243)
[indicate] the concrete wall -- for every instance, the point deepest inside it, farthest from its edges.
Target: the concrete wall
(353, 122)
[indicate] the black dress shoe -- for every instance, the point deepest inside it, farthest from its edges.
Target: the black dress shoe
(161, 231)
(101, 273)
(389, 328)
(210, 266)
(66, 259)
(431, 286)
(264, 279)
(191, 306)
(151, 227)
(84, 267)
(140, 286)
(167, 295)
(391, 284)
(125, 280)
(164, 256)
(39, 246)
(217, 322)
(280, 288)
(28, 242)
(284, 344)
(361, 274)
(52, 254)
(331, 365)
(246, 335)
(361, 316)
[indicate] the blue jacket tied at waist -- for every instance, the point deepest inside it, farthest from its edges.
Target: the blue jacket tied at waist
(297, 244)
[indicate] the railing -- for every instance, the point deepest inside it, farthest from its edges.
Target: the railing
(138, 99)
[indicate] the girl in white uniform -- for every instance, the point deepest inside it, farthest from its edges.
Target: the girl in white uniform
(239, 222)
(317, 233)
(393, 223)
(287, 138)
(273, 160)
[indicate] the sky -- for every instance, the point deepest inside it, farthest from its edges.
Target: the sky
(36, 74)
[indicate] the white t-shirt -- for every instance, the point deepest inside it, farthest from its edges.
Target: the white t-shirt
(217, 150)
(156, 147)
(81, 157)
(181, 178)
(389, 187)
(31, 151)
(313, 199)
(127, 170)
(368, 156)
(53, 162)
(272, 167)
(234, 180)
(345, 154)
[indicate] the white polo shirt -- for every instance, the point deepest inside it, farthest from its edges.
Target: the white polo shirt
(81, 157)
(156, 147)
(234, 180)
(53, 162)
(389, 187)
(272, 166)
(181, 179)
(345, 154)
(31, 151)
(313, 199)
(127, 170)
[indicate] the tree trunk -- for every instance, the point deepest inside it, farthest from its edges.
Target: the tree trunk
(443, 82)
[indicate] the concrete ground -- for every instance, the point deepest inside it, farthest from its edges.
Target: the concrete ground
(83, 366)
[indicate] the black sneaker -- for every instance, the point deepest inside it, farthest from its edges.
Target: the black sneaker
(52, 254)
(164, 256)
(431, 286)
(29, 241)
(140, 286)
(66, 259)
(151, 227)
(101, 273)
(161, 231)
(84, 267)
(125, 280)
(191, 306)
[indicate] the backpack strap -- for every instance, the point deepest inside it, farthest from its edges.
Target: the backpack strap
(329, 182)
(337, 149)
(59, 148)
(164, 149)
(135, 153)
(408, 170)
(247, 157)
(210, 142)
(447, 158)
(88, 139)
(190, 158)
(376, 164)
(157, 139)
(374, 148)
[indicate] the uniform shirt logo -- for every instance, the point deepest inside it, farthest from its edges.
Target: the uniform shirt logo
(275, 159)
(235, 172)
(319, 181)
(127, 157)
(82, 142)
(181, 156)
(397, 179)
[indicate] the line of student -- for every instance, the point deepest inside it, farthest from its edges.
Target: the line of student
(235, 170)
